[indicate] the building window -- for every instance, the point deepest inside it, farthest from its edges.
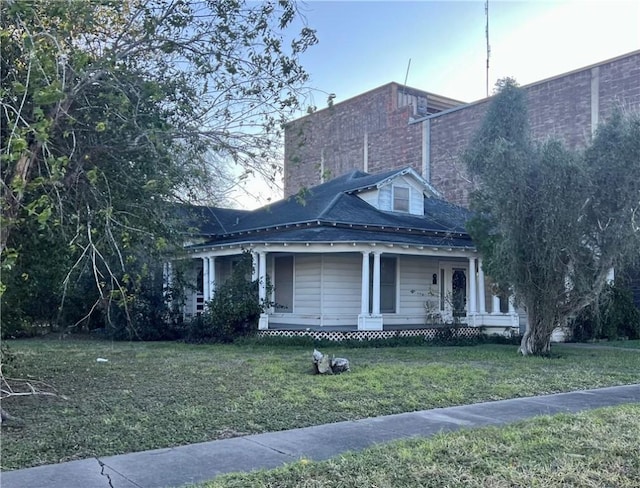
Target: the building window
(400, 199)
(388, 267)
(283, 284)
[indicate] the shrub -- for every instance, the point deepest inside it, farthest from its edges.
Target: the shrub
(148, 316)
(233, 311)
(612, 317)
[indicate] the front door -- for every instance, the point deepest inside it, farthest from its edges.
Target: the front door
(459, 292)
(453, 291)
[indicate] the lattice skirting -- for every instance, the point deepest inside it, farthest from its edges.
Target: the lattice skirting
(366, 335)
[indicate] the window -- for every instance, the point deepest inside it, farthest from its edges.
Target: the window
(283, 284)
(400, 199)
(387, 285)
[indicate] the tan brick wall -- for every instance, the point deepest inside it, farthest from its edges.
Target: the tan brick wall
(334, 138)
(559, 107)
(620, 85)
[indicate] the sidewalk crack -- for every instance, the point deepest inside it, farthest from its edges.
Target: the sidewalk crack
(269, 447)
(102, 473)
(108, 476)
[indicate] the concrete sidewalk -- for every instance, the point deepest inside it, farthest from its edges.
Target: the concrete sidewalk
(194, 463)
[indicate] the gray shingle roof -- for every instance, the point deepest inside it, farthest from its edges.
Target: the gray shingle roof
(326, 233)
(335, 210)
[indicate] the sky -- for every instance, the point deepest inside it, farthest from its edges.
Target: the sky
(441, 46)
(365, 44)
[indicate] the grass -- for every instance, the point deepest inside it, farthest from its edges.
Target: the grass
(152, 395)
(591, 449)
(633, 344)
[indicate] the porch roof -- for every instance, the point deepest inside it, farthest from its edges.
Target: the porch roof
(322, 232)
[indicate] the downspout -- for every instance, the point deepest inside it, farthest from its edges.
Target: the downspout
(426, 150)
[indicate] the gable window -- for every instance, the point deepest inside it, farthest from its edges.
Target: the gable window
(400, 199)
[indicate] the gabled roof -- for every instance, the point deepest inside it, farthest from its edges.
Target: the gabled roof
(336, 205)
(394, 174)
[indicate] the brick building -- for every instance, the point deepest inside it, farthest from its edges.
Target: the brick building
(395, 126)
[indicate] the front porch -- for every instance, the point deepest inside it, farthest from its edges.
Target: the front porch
(390, 289)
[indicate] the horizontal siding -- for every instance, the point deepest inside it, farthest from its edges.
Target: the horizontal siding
(416, 202)
(307, 284)
(371, 197)
(342, 275)
(416, 274)
(385, 199)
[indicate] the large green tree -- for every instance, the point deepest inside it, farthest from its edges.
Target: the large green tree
(114, 109)
(552, 222)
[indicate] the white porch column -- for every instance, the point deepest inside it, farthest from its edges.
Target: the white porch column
(366, 320)
(167, 281)
(262, 276)
(512, 312)
(495, 304)
(482, 308)
(212, 277)
(472, 286)
(205, 279)
(375, 309)
(611, 276)
(364, 300)
(254, 266)
(263, 323)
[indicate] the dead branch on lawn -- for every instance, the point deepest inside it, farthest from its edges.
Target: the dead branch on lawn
(17, 387)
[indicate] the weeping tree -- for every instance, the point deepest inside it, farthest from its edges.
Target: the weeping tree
(112, 111)
(550, 222)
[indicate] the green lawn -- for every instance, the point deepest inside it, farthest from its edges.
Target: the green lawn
(633, 344)
(592, 449)
(152, 395)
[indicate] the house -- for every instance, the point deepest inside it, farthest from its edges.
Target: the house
(360, 253)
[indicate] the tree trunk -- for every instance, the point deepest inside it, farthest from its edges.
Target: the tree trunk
(533, 344)
(536, 340)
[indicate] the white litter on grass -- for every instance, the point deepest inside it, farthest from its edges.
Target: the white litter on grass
(102, 360)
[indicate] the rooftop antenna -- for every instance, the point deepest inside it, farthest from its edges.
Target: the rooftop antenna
(406, 77)
(486, 30)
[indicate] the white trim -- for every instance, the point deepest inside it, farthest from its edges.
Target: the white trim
(337, 247)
